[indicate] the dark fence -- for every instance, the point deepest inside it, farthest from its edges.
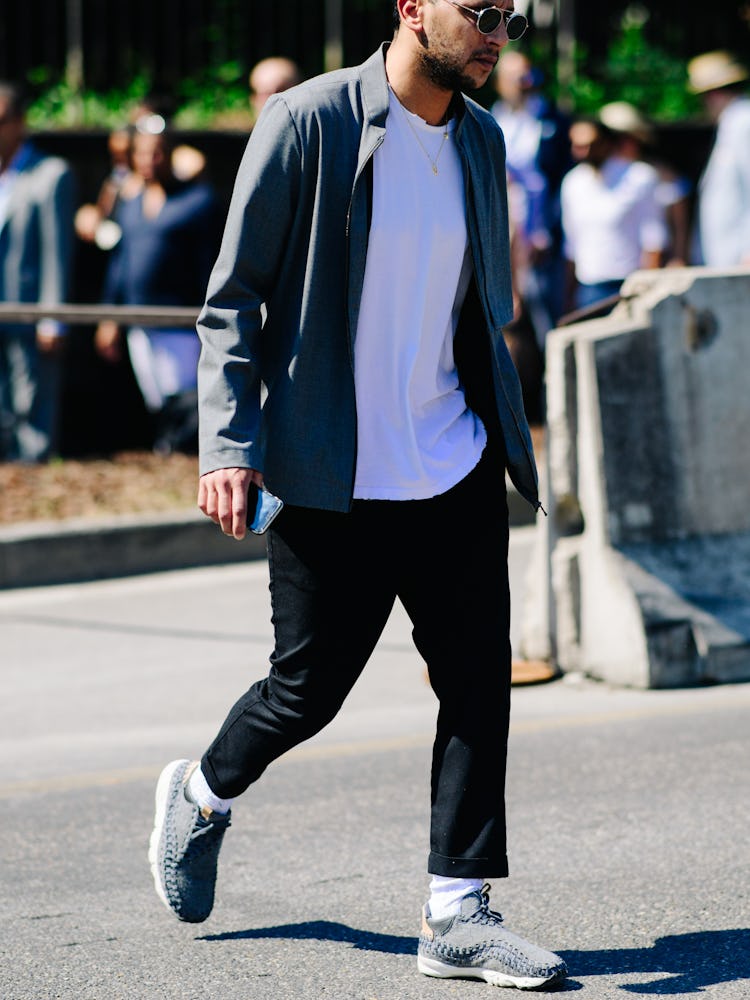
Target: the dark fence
(171, 40)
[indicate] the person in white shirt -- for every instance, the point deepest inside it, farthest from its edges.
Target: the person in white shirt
(612, 220)
(724, 190)
(637, 140)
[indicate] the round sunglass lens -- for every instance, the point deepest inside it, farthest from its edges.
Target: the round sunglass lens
(516, 26)
(489, 19)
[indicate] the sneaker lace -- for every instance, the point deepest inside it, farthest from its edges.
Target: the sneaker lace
(201, 839)
(483, 914)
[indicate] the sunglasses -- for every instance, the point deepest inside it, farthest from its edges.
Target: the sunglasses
(488, 19)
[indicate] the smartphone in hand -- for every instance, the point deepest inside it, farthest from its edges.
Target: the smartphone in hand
(266, 509)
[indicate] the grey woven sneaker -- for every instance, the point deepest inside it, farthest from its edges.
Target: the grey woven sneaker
(475, 945)
(184, 846)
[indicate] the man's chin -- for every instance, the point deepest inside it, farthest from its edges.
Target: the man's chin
(451, 78)
(475, 80)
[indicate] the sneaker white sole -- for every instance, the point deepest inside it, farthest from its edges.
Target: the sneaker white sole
(161, 797)
(442, 970)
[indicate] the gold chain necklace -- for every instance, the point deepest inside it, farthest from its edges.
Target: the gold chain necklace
(433, 163)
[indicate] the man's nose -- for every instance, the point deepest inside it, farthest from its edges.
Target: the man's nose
(499, 37)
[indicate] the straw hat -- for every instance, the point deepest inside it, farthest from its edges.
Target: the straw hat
(619, 116)
(714, 70)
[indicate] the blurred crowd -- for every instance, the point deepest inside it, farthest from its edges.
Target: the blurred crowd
(591, 200)
(595, 198)
(157, 220)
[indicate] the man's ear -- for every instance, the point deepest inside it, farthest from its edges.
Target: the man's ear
(410, 12)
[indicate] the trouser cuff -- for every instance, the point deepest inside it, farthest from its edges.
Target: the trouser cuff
(439, 864)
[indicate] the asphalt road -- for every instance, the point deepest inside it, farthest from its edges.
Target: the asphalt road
(629, 814)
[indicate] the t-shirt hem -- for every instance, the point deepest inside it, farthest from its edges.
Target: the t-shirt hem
(424, 492)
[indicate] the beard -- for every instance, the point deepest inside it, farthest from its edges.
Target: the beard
(445, 72)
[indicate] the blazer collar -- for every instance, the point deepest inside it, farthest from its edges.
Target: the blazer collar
(374, 85)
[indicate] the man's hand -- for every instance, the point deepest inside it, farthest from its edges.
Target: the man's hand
(222, 496)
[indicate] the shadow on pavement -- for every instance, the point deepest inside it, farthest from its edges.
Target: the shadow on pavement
(325, 930)
(688, 962)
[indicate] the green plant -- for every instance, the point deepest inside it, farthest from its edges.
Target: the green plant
(59, 106)
(635, 70)
(217, 94)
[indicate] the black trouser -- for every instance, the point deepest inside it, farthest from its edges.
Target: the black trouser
(334, 579)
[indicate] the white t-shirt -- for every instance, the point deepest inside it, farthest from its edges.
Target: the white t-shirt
(416, 438)
(610, 216)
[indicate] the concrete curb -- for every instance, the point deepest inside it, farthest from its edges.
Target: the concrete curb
(37, 554)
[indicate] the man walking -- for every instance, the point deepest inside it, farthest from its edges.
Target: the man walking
(36, 241)
(369, 217)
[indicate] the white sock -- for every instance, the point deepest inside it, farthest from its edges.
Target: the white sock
(200, 792)
(446, 894)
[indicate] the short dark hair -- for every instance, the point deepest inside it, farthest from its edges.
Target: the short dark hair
(15, 97)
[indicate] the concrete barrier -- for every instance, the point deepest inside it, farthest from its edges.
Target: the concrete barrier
(642, 570)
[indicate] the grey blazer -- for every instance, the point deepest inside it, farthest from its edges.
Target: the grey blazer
(36, 237)
(296, 243)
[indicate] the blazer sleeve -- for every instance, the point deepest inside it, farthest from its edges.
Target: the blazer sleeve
(260, 216)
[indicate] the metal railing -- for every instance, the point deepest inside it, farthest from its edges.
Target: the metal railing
(602, 308)
(184, 316)
(71, 314)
